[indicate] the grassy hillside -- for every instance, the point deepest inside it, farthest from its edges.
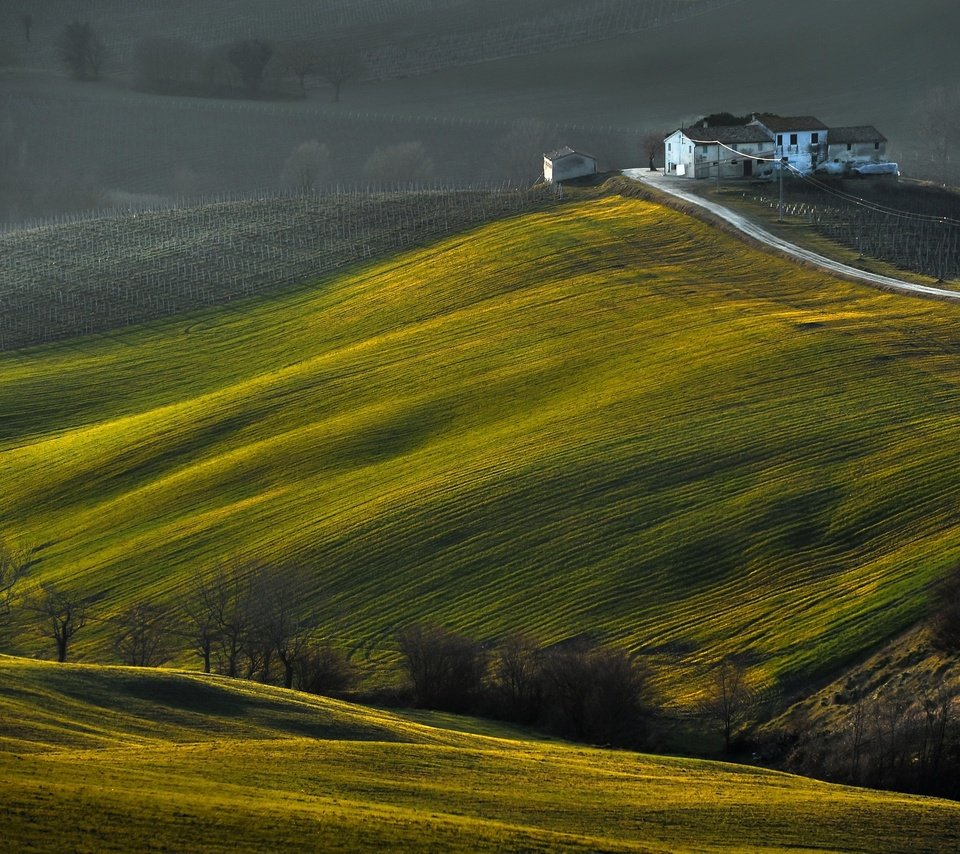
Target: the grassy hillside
(606, 418)
(110, 759)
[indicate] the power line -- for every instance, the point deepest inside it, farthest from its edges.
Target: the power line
(876, 207)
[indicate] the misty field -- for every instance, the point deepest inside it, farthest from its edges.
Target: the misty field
(605, 418)
(473, 121)
(112, 759)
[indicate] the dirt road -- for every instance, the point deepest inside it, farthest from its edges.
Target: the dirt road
(674, 187)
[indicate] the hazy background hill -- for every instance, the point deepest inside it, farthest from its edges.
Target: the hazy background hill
(570, 79)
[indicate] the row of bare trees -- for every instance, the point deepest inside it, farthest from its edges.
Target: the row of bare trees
(251, 66)
(243, 620)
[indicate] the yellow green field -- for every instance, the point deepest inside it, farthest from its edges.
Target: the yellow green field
(120, 759)
(606, 418)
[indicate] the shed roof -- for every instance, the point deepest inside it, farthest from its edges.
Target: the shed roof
(565, 151)
(729, 134)
(780, 124)
(860, 133)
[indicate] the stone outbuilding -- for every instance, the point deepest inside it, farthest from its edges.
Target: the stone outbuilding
(564, 164)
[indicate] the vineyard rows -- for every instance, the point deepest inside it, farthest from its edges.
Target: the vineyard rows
(99, 274)
(928, 244)
(580, 24)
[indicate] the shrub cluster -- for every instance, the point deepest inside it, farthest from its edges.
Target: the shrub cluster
(581, 690)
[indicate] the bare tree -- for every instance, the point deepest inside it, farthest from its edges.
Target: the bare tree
(728, 700)
(282, 626)
(404, 163)
(323, 669)
(595, 693)
(143, 635)
(81, 50)
(337, 65)
(250, 58)
(14, 565)
(651, 146)
(238, 622)
(204, 611)
(62, 613)
(445, 668)
(518, 679)
(307, 166)
(300, 59)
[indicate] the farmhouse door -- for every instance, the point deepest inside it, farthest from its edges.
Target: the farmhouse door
(747, 168)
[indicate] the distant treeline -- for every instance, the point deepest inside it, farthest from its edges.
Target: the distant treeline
(395, 38)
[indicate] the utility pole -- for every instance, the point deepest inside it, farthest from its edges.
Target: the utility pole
(783, 163)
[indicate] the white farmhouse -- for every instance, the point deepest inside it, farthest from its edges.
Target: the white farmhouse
(856, 145)
(698, 152)
(802, 140)
(565, 164)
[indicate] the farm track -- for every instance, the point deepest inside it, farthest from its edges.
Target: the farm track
(672, 187)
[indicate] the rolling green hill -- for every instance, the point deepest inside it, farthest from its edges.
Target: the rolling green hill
(119, 759)
(607, 419)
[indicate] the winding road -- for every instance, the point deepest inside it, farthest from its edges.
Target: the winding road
(674, 187)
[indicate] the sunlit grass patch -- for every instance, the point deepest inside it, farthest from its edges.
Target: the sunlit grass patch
(604, 419)
(181, 761)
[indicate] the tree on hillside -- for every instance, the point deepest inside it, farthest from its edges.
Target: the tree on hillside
(595, 693)
(81, 50)
(403, 164)
(282, 623)
(728, 700)
(307, 166)
(203, 611)
(651, 146)
(517, 679)
(14, 564)
(300, 59)
(723, 119)
(322, 669)
(62, 614)
(445, 668)
(337, 65)
(250, 58)
(143, 635)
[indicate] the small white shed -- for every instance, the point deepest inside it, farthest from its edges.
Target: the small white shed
(565, 164)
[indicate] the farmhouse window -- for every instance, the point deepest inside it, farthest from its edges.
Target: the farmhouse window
(793, 139)
(815, 138)
(849, 146)
(876, 146)
(779, 139)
